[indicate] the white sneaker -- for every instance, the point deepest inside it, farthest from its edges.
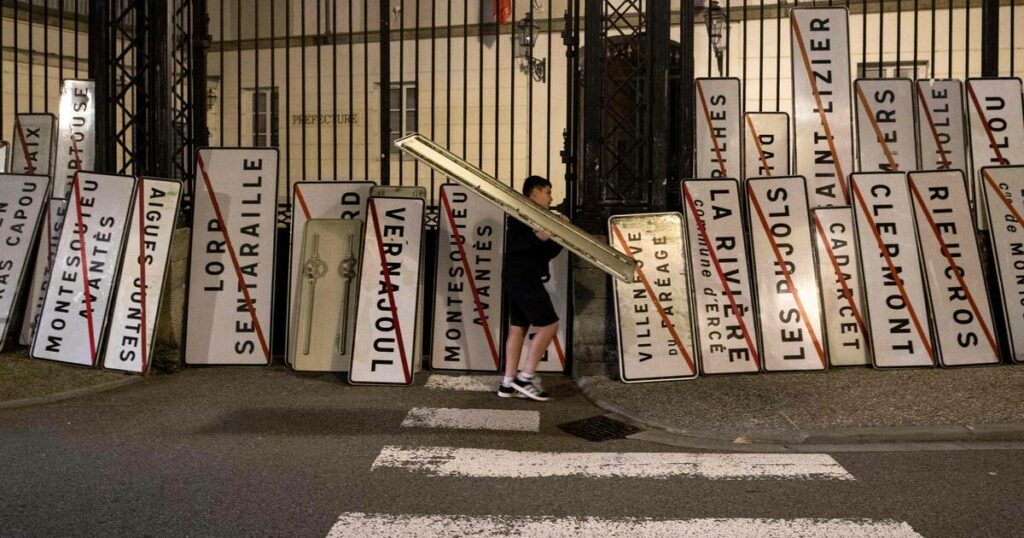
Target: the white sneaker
(530, 390)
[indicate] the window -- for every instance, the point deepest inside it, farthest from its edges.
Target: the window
(888, 70)
(265, 120)
(402, 117)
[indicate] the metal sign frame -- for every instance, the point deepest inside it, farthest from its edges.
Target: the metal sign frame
(235, 197)
(136, 308)
(821, 130)
(720, 279)
(841, 287)
(887, 248)
(886, 126)
(54, 212)
(76, 134)
(515, 204)
(558, 286)
(77, 304)
(1002, 193)
(942, 127)
(763, 135)
(719, 116)
(33, 137)
(995, 119)
(960, 307)
(22, 202)
(788, 296)
(467, 327)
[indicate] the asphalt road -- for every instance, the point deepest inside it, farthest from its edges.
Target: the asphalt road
(247, 451)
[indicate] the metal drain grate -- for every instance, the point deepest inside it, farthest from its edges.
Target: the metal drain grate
(599, 428)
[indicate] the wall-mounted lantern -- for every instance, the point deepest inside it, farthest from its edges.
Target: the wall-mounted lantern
(526, 38)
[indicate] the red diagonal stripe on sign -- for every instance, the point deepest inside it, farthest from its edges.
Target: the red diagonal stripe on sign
(931, 124)
(721, 277)
(234, 258)
(302, 202)
(984, 123)
(760, 150)
(892, 270)
(144, 350)
(29, 161)
(391, 293)
(654, 299)
(558, 351)
(785, 273)
(85, 268)
(711, 129)
(879, 137)
(1013, 211)
(847, 293)
(472, 281)
(952, 265)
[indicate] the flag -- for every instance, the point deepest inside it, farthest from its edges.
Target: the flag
(502, 10)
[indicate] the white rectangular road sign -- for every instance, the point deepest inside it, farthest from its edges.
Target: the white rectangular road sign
(231, 279)
(136, 308)
(391, 288)
(320, 200)
(468, 291)
(765, 144)
(1002, 191)
(996, 118)
(76, 134)
(886, 132)
(961, 312)
(80, 290)
(719, 271)
(786, 274)
(652, 313)
(22, 202)
(894, 280)
(941, 128)
(842, 296)
(558, 286)
(718, 130)
(49, 235)
(33, 148)
(823, 141)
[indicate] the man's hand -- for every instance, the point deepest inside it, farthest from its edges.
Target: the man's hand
(542, 235)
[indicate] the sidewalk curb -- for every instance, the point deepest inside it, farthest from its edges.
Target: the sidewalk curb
(791, 440)
(68, 394)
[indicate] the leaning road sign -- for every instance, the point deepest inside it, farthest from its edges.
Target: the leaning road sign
(1003, 193)
(961, 310)
(3, 157)
(79, 293)
(996, 119)
(231, 277)
(468, 292)
(766, 144)
(719, 273)
(33, 144)
(718, 130)
(388, 324)
(652, 313)
(886, 134)
(136, 308)
(22, 203)
(568, 235)
(894, 281)
(942, 132)
(76, 134)
(823, 141)
(842, 297)
(320, 200)
(786, 274)
(558, 285)
(53, 221)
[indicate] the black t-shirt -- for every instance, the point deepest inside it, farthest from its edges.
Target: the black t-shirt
(526, 256)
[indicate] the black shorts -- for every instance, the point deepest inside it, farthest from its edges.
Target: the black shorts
(528, 303)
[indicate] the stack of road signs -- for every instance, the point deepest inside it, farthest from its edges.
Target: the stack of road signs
(1002, 194)
(22, 204)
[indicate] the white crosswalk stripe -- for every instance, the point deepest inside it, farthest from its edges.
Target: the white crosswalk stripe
(474, 462)
(473, 383)
(360, 525)
(472, 419)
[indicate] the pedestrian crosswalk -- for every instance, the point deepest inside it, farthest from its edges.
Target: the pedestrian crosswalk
(472, 419)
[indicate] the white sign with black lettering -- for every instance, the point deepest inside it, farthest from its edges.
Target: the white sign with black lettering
(961, 311)
(33, 144)
(652, 312)
(719, 272)
(1003, 193)
(133, 317)
(468, 291)
(823, 142)
(841, 292)
(558, 286)
(886, 132)
(894, 281)
(79, 293)
(319, 200)
(22, 202)
(388, 321)
(996, 119)
(53, 221)
(231, 277)
(941, 131)
(766, 144)
(786, 274)
(76, 134)
(718, 131)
